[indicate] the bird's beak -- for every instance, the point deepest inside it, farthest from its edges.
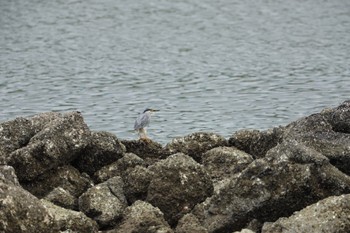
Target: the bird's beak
(155, 110)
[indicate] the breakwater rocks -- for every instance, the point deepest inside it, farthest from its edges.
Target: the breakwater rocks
(58, 176)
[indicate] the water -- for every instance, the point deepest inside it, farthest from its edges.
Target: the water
(216, 66)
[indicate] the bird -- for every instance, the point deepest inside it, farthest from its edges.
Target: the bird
(142, 122)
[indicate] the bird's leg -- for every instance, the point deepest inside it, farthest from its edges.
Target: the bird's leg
(143, 135)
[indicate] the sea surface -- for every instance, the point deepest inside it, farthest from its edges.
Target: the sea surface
(215, 66)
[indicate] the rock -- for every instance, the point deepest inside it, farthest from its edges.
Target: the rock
(290, 177)
(255, 142)
(142, 217)
(150, 151)
(195, 144)
(328, 215)
(8, 175)
(14, 135)
(129, 160)
(66, 177)
(104, 149)
(59, 143)
(104, 202)
(63, 198)
(339, 117)
(40, 120)
(189, 224)
(222, 162)
(23, 212)
(69, 220)
(244, 231)
(178, 184)
(136, 181)
(325, 132)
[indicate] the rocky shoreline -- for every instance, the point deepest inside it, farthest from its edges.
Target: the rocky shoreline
(58, 176)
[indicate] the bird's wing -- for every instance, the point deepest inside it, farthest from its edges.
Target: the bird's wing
(142, 121)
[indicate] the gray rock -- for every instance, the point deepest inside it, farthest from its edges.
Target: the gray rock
(255, 142)
(69, 220)
(195, 144)
(104, 202)
(222, 162)
(329, 215)
(63, 198)
(150, 151)
(23, 212)
(142, 217)
(66, 177)
(104, 149)
(129, 160)
(8, 175)
(136, 182)
(189, 224)
(325, 132)
(58, 143)
(178, 184)
(40, 120)
(339, 117)
(290, 177)
(14, 135)
(244, 231)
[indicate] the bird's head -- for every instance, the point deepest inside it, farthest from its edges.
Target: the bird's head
(150, 110)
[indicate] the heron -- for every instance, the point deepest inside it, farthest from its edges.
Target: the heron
(142, 122)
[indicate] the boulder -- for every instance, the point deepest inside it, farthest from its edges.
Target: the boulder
(326, 132)
(104, 202)
(255, 142)
(104, 149)
(136, 182)
(195, 144)
(14, 135)
(290, 177)
(178, 184)
(329, 215)
(8, 175)
(222, 162)
(129, 160)
(69, 220)
(142, 217)
(150, 151)
(23, 212)
(66, 177)
(62, 198)
(58, 143)
(189, 224)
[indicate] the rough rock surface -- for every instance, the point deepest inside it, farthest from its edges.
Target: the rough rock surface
(150, 151)
(142, 217)
(178, 184)
(104, 202)
(14, 135)
(129, 160)
(63, 198)
(136, 181)
(69, 220)
(8, 175)
(255, 142)
(195, 144)
(103, 149)
(66, 177)
(58, 143)
(329, 215)
(290, 177)
(189, 224)
(22, 212)
(222, 162)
